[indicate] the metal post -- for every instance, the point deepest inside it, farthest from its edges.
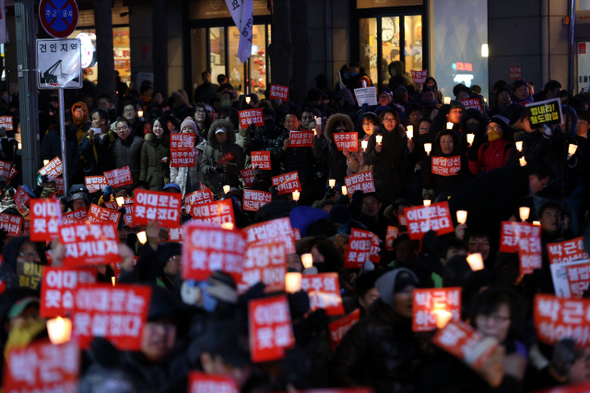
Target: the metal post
(62, 133)
(27, 88)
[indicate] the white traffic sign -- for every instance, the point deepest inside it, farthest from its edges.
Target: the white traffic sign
(59, 64)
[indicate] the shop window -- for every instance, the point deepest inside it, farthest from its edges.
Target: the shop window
(413, 42)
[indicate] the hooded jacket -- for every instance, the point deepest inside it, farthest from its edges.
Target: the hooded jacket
(153, 170)
(81, 125)
(214, 151)
(338, 167)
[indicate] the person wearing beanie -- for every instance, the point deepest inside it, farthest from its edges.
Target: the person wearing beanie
(456, 110)
(494, 153)
(188, 178)
(381, 350)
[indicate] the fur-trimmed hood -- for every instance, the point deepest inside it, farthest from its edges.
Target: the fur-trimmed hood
(333, 121)
(231, 135)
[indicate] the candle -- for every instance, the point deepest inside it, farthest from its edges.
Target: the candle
(344, 190)
(447, 100)
(296, 195)
(537, 223)
(248, 99)
(475, 261)
(427, 202)
(364, 144)
(442, 317)
(524, 212)
(410, 133)
(449, 125)
(332, 183)
(113, 280)
(142, 237)
(379, 139)
(228, 225)
(140, 113)
(427, 148)
(20, 146)
(518, 145)
(292, 282)
(45, 162)
(307, 260)
(59, 330)
(470, 138)
(572, 149)
(461, 216)
(522, 161)
(226, 189)
(120, 201)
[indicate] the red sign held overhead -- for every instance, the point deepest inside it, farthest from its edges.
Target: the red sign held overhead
(287, 183)
(163, 207)
(253, 199)
(278, 91)
(360, 181)
(265, 263)
(324, 292)
(59, 285)
(339, 327)
(421, 219)
(346, 140)
(270, 328)
(515, 73)
(260, 160)
(59, 18)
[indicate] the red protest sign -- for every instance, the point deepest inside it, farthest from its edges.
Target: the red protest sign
(556, 318)
(287, 183)
(266, 262)
(113, 205)
(446, 166)
(175, 234)
(251, 116)
(58, 287)
(254, 199)
(21, 198)
(515, 73)
(301, 138)
(361, 246)
(324, 292)
(346, 140)
(472, 103)
(6, 122)
(214, 116)
(200, 382)
(163, 207)
(101, 214)
(278, 91)
(392, 234)
(360, 181)
(6, 170)
(95, 183)
(89, 244)
(42, 367)
(199, 197)
(218, 212)
(118, 177)
(578, 277)
(339, 327)
(53, 169)
(128, 216)
(529, 251)
(464, 342)
(11, 223)
(419, 77)
(567, 251)
(45, 217)
(260, 160)
(421, 219)
(26, 231)
(512, 231)
(118, 267)
(116, 313)
(207, 248)
(181, 150)
(59, 185)
(430, 306)
(227, 157)
(270, 328)
(268, 231)
(248, 176)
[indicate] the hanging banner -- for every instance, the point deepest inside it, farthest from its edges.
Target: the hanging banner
(242, 13)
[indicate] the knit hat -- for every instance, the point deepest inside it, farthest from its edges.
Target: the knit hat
(190, 123)
(394, 281)
(222, 287)
(20, 306)
(167, 251)
(457, 104)
(163, 305)
(400, 90)
(502, 122)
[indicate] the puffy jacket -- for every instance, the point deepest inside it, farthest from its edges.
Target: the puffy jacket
(128, 153)
(153, 170)
(213, 152)
(179, 175)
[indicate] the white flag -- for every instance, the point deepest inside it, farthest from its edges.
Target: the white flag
(242, 12)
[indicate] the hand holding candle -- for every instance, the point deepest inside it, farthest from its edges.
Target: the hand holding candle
(461, 216)
(428, 148)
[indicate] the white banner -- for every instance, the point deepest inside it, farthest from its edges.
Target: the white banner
(242, 12)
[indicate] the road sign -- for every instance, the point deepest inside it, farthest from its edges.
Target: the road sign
(59, 64)
(58, 17)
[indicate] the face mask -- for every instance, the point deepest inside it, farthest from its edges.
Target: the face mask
(97, 130)
(345, 75)
(225, 103)
(353, 74)
(493, 135)
(270, 124)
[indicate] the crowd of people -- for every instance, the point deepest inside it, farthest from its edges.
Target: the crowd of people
(498, 162)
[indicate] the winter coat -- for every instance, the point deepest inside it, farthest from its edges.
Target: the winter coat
(337, 164)
(268, 140)
(491, 155)
(179, 175)
(128, 153)
(214, 151)
(102, 161)
(155, 172)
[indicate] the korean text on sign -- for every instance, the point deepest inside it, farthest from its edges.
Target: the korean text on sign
(248, 176)
(128, 216)
(360, 181)
(45, 219)
(59, 285)
(116, 313)
(578, 277)
(95, 183)
(101, 214)
(260, 160)
(11, 223)
(270, 328)
(181, 150)
(251, 116)
(207, 248)
(421, 219)
(253, 199)
(430, 304)
(556, 318)
(515, 73)
(90, 244)
(76, 215)
(200, 382)
(278, 91)
(163, 207)
(6, 122)
(43, 367)
(529, 251)
(392, 234)
(444, 166)
(362, 245)
(567, 251)
(472, 103)
(287, 183)
(175, 234)
(339, 327)
(53, 169)
(266, 262)
(324, 292)
(218, 212)
(198, 197)
(346, 140)
(419, 77)
(21, 198)
(225, 159)
(301, 138)
(272, 230)
(119, 177)
(544, 112)
(512, 232)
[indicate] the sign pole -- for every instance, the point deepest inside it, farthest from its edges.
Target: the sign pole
(62, 132)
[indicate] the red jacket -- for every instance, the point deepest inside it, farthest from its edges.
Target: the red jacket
(491, 155)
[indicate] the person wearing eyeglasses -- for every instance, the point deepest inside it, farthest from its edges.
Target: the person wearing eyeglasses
(494, 153)
(23, 264)
(127, 148)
